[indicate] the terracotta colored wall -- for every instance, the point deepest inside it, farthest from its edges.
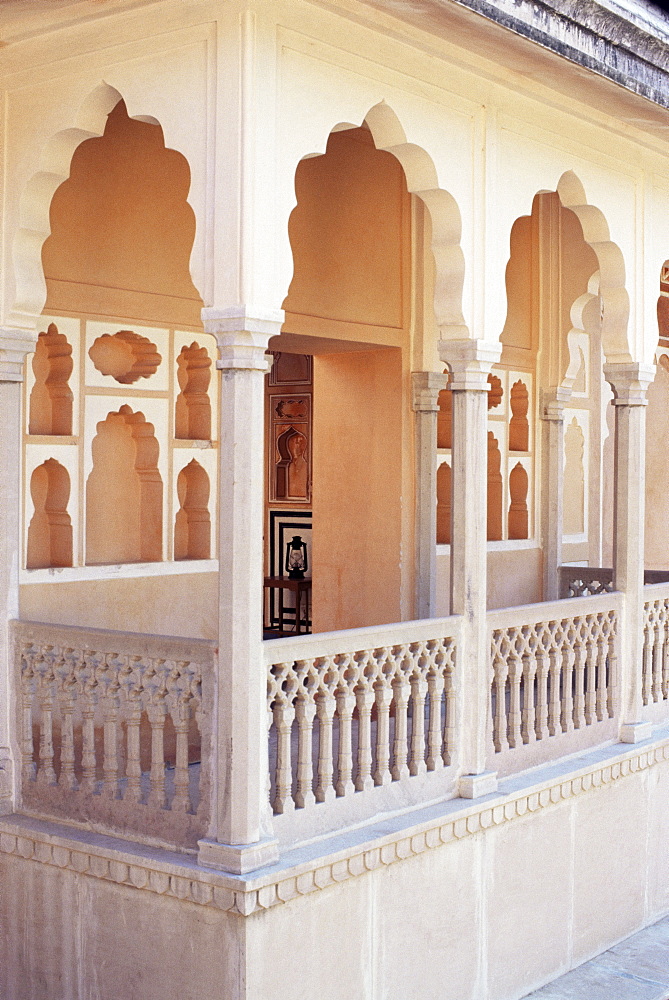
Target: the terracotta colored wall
(182, 604)
(121, 229)
(350, 238)
(357, 489)
(514, 578)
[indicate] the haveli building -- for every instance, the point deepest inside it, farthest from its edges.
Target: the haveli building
(429, 758)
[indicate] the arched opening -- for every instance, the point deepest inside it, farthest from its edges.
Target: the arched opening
(51, 396)
(124, 492)
(193, 406)
(495, 489)
(552, 343)
(50, 529)
(657, 435)
(192, 527)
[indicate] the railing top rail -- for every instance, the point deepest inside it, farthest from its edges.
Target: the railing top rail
(656, 591)
(568, 607)
(304, 647)
(123, 643)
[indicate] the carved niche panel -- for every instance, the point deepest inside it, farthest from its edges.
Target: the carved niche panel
(288, 393)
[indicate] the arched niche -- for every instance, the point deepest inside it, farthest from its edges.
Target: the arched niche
(51, 396)
(50, 528)
(445, 412)
(124, 492)
(110, 199)
(444, 479)
(193, 406)
(291, 469)
(495, 489)
(518, 511)
(519, 428)
(192, 527)
(657, 435)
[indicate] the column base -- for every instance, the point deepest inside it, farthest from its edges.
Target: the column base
(635, 732)
(474, 786)
(238, 859)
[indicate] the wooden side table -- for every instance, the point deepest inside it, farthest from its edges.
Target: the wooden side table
(301, 589)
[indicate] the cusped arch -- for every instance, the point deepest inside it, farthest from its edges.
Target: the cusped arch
(422, 180)
(615, 304)
(35, 201)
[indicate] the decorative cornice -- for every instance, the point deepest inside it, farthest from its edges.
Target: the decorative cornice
(170, 874)
(470, 362)
(629, 382)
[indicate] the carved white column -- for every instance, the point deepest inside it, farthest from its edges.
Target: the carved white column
(240, 838)
(552, 472)
(14, 345)
(629, 382)
(470, 362)
(426, 388)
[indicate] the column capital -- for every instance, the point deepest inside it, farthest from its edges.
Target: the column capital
(553, 402)
(242, 334)
(14, 346)
(629, 381)
(470, 362)
(425, 387)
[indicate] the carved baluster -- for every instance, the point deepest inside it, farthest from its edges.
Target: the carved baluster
(500, 669)
(46, 774)
(611, 663)
(110, 760)
(602, 710)
(435, 696)
(401, 692)
(28, 686)
(345, 706)
(554, 675)
(529, 709)
(567, 718)
(305, 711)
(515, 674)
(591, 680)
(157, 714)
(449, 721)
(417, 763)
(541, 721)
(364, 700)
(647, 664)
(181, 718)
(67, 777)
(579, 679)
(657, 656)
(664, 623)
(384, 696)
(133, 768)
(89, 688)
(284, 713)
(325, 709)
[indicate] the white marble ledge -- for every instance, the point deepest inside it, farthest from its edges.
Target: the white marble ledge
(335, 858)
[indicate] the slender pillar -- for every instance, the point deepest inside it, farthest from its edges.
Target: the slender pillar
(14, 345)
(552, 473)
(470, 362)
(629, 382)
(240, 838)
(426, 389)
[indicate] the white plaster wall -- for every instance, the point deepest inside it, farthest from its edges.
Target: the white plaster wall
(487, 916)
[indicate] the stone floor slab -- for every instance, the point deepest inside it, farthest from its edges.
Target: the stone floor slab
(635, 969)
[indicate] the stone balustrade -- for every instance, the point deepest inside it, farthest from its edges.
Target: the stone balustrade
(655, 668)
(584, 581)
(361, 711)
(115, 729)
(554, 679)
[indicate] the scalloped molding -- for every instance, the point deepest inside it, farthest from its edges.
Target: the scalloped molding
(181, 878)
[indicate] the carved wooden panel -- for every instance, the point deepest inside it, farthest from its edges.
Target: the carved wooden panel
(289, 435)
